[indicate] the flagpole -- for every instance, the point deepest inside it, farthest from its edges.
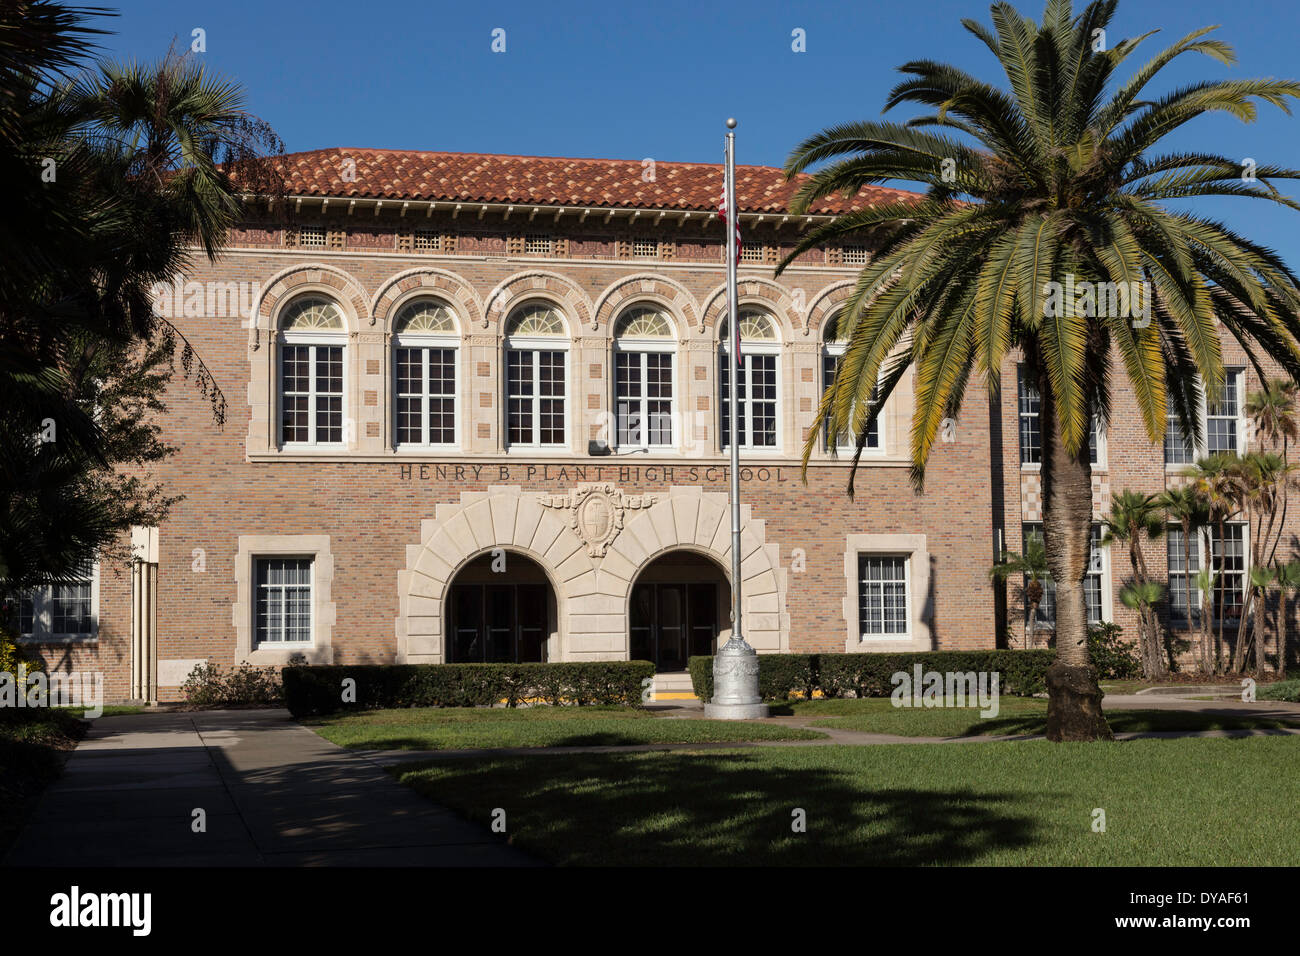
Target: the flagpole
(735, 667)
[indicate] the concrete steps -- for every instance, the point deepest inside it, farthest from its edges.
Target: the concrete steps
(673, 685)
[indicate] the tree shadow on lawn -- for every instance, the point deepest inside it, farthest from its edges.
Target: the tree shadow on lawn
(700, 809)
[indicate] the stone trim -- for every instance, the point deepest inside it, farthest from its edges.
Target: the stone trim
(918, 590)
(317, 547)
(673, 297)
(592, 591)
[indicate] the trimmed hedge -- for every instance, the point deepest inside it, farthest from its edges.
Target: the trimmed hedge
(319, 690)
(869, 675)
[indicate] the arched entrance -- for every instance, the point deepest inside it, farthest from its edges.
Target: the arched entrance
(679, 604)
(500, 608)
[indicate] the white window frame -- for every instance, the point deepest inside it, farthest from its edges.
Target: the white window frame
(1098, 430)
(308, 644)
(748, 348)
(836, 350)
(906, 634)
(1202, 553)
(1200, 448)
(642, 347)
(42, 598)
(314, 340)
(1107, 597)
(425, 341)
(534, 345)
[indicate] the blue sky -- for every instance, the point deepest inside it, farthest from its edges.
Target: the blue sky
(657, 79)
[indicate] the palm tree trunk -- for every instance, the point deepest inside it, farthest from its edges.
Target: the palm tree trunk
(1281, 632)
(1218, 634)
(1074, 699)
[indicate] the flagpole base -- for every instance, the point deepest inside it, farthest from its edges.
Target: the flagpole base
(735, 683)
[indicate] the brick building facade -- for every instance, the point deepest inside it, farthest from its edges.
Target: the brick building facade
(475, 413)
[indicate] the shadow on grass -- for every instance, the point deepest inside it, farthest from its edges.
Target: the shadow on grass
(721, 809)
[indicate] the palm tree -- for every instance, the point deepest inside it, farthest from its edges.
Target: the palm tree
(1287, 579)
(1218, 482)
(1184, 507)
(188, 136)
(1263, 476)
(1032, 567)
(1134, 516)
(1057, 180)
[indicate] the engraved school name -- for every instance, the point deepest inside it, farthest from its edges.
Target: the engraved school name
(624, 474)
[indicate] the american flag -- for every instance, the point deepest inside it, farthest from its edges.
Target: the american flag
(735, 326)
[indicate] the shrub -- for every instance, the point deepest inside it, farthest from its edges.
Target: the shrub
(208, 685)
(871, 675)
(320, 690)
(1112, 657)
(1288, 690)
(12, 654)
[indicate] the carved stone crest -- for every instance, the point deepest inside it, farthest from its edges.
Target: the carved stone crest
(596, 512)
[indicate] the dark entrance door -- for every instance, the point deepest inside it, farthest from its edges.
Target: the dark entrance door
(497, 623)
(670, 623)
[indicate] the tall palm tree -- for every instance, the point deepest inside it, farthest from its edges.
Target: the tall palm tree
(1184, 506)
(1217, 480)
(1031, 567)
(186, 134)
(1133, 517)
(1058, 179)
(1263, 476)
(1287, 579)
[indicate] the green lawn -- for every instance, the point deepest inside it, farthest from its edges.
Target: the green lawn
(32, 746)
(1167, 802)
(1016, 715)
(468, 728)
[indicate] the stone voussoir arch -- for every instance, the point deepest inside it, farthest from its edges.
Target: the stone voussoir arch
(538, 284)
(688, 519)
(826, 302)
(308, 277)
(753, 290)
(647, 287)
(439, 283)
(502, 517)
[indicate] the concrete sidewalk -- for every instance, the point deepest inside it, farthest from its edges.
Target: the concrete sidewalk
(273, 792)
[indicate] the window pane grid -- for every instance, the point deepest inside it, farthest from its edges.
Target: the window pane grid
(882, 595)
(283, 601)
(311, 393)
(830, 365)
(535, 396)
(426, 396)
(756, 401)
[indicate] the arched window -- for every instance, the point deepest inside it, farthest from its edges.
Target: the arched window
(312, 337)
(834, 340)
(425, 340)
(644, 348)
(537, 354)
(759, 391)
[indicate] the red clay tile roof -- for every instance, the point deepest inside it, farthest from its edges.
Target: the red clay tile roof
(549, 181)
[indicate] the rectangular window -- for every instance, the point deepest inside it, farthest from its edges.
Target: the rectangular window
(283, 601)
(853, 255)
(535, 385)
(425, 412)
(61, 611)
(1184, 564)
(1222, 424)
(427, 240)
(645, 248)
(756, 400)
(1031, 428)
(1228, 564)
(751, 252)
(311, 379)
(830, 364)
(643, 383)
(1095, 581)
(882, 595)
